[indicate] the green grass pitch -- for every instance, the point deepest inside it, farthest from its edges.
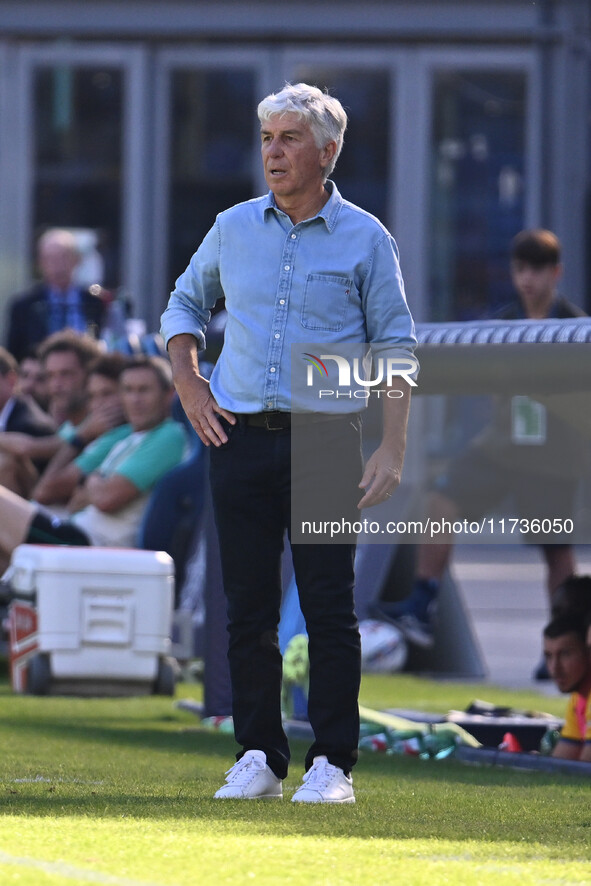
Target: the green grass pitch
(118, 791)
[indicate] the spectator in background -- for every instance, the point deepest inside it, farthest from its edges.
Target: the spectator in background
(18, 412)
(20, 415)
(66, 357)
(32, 380)
(55, 302)
(105, 414)
(569, 665)
(540, 469)
(114, 481)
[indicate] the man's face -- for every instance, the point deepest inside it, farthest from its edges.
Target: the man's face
(56, 263)
(567, 660)
(66, 379)
(103, 393)
(293, 163)
(534, 284)
(145, 403)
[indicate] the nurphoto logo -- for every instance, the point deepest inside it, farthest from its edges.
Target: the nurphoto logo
(352, 379)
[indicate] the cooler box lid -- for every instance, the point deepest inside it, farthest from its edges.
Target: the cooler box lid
(27, 560)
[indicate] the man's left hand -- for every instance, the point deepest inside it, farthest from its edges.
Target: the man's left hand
(380, 479)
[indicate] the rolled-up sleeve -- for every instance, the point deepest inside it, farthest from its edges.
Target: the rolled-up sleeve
(390, 327)
(196, 292)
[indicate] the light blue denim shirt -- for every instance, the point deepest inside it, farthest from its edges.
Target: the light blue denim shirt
(329, 280)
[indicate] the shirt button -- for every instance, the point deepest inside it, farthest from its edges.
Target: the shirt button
(294, 236)
(286, 268)
(272, 369)
(281, 301)
(269, 402)
(277, 335)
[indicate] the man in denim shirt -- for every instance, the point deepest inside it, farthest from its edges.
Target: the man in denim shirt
(298, 265)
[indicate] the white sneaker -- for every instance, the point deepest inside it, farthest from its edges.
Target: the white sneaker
(325, 783)
(250, 779)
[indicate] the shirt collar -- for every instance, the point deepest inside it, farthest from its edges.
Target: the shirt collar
(329, 212)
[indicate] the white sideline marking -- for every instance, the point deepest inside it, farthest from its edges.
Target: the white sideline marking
(72, 873)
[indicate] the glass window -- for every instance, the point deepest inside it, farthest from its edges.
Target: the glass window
(78, 147)
(213, 128)
(362, 170)
(477, 190)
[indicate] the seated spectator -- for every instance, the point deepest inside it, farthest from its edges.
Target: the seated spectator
(19, 415)
(32, 380)
(66, 357)
(572, 597)
(116, 477)
(19, 412)
(539, 469)
(105, 413)
(569, 664)
(56, 302)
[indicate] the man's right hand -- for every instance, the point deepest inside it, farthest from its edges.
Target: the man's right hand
(194, 392)
(202, 410)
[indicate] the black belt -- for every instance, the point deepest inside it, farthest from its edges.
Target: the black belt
(281, 421)
(271, 421)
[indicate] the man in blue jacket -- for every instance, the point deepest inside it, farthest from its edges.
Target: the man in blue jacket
(55, 302)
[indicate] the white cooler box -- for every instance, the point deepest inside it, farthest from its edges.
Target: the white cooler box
(90, 620)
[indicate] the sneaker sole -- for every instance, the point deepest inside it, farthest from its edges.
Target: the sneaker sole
(409, 630)
(414, 634)
(323, 802)
(259, 797)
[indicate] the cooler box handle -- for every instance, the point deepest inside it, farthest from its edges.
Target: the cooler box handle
(107, 620)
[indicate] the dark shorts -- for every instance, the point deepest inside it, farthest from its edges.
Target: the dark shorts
(47, 529)
(478, 485)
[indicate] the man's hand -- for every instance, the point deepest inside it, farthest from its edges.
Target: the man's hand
(103, 418)
(384, 469)
(202, 409)
(381, 478)
(199, 404)
(110, 494)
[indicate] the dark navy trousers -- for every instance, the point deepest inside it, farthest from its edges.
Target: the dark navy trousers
(251, 482)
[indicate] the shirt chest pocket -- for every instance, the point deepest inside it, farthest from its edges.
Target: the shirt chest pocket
(326, 298)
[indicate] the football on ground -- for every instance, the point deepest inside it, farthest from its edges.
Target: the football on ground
(383, 647)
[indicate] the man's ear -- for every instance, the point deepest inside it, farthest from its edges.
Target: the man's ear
(327, 153)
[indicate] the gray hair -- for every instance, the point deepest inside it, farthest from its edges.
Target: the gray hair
(323, 113)
(60, 237)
